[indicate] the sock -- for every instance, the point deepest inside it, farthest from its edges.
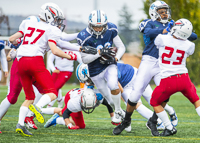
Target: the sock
(128, 116)
(144, 111)
(37, 95)
(159, 121)
(22, 114)
(60, 121)
(5, 104)
(117, 101)
(164, 117)
(52, 103)
(169, 109)
(44, 100)
(30, 113)
(59, 95)
(198, 110)
(49, 111)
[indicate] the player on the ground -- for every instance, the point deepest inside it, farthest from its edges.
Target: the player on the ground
(38, 38)
(102, 34)
(160, 13)
(173, 52)
(3, 58)
(61, 72)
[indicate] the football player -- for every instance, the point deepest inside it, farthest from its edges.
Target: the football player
(38, 38)
(173, 52)
(102, 34)
(160, 13)
(3, 58)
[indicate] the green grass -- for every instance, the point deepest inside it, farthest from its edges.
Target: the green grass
(98, 126)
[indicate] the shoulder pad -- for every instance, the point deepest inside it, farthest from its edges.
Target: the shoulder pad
(111, 25)
(143, 24)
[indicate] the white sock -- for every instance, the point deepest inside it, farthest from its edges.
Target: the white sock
(52, 103)
(159, 121)
(5, 104)
(144, 111)
(37, 95)
(60, 121)
(22, 114)
(59, 95)
(117, 101)
(169, 109)
(30, 113)
(44, 100)
(198, 110)
(49, 111)
(164, 117)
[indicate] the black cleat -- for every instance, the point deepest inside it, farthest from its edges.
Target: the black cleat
(23, 131)
(168, 132)
(152, 126)
(124, 124)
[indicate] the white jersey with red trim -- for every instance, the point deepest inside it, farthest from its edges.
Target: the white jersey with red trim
(172, 54)
(63, 64)
(36, 36)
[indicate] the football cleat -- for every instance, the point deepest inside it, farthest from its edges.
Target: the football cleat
(124, 124)
(118, 116)
(160, 127)
(38, 114)
(152, 126)
(128, 129)
(23, 131)
(51, 121)
(174, 119)
(30, 123)
(168, 132)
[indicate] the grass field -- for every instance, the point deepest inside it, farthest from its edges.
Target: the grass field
(98, 126)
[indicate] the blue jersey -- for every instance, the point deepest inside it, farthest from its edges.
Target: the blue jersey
(85, 38)
(2, 44)
(125, 73)
(151, 29)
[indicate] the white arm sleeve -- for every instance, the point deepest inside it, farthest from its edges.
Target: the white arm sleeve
(120, 47)
(69, 37)
(66, 45)
(50, 62)
(4, 62)
(88, 58)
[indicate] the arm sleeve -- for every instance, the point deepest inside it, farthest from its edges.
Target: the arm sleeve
(191, 49)
(66, 45)
(4, 61)
(192, 37)
(120, 46)
(50, 62)
(69, 37)
(66, 114)
(88, 58)
(110, 109)
(152, 32)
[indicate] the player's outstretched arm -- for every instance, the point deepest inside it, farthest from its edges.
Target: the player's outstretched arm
(66, 115)
(14, 37)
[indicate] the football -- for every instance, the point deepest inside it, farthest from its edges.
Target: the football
(104, 57)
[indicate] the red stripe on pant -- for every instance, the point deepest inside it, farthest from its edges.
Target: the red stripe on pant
(77, 117)
(33, 67)
(171, 85)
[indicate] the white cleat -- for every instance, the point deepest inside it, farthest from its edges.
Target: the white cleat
(118, 116)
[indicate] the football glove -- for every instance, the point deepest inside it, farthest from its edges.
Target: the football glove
(73, 56)
(88, 50)
(107, 51)
(110, 60)
(170, 25)
(71, 127)
(13, 53)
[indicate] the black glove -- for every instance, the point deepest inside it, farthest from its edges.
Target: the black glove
(89, 50)
(107, 51)
(110, 60)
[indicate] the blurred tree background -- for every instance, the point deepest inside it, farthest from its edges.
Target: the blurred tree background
(189, 9)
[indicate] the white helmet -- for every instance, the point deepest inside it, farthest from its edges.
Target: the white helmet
(88, 100)
(182, 29)
(98, 18)
(52, 14)
(153, 11)
(82, 72)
